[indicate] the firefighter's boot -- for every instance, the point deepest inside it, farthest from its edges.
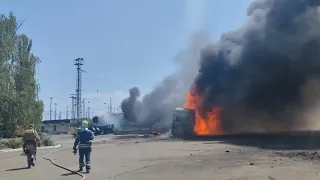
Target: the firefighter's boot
(32, 160)
(88, 168)
(80, 168)
(29, 164)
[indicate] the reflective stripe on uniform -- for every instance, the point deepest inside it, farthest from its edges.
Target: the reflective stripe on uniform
(84, 145)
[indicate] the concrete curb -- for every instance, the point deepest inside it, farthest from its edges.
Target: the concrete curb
(20, 149)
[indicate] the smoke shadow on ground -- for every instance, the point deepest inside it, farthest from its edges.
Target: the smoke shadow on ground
(303, 140)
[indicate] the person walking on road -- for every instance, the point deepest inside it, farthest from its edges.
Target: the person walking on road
(31, 140)
(83, 141)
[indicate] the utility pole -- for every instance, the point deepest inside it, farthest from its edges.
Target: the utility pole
(67, 112)
(110, 105)
(78, 63)
(88, 114)
(84, 108)
(55, 111)
(60, 115)
(50, 108)
(73, 114)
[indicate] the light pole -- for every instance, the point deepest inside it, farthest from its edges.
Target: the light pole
(50, 108)
(55, 111)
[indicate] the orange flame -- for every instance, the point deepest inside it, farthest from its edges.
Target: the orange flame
(209, 124)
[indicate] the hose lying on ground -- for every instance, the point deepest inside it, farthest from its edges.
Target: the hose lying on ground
(65, 168)
(60, 166)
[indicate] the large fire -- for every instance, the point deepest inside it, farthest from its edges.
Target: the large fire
(208, 124)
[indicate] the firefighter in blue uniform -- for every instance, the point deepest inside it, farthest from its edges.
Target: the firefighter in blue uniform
(83, 141)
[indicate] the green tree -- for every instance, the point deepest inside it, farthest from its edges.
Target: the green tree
(19, 103)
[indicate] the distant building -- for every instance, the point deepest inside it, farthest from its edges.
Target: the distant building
(56, 126)
(63, 126)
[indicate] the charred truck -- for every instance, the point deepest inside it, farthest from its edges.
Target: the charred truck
(183, 123)
(99, 128)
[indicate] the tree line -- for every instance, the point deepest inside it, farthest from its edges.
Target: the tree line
(19, 103)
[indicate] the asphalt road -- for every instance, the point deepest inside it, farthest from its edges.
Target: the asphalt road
(145, 159)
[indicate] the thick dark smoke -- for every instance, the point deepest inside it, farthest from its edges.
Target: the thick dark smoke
(130, 106)
(158, 105)
(266, 75)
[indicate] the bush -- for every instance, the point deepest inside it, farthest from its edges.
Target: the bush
(2, 146)
(12, 143)
(46, 140)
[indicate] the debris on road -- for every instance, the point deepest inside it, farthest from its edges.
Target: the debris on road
(305, 155)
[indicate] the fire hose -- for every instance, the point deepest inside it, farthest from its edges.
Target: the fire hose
(61, 166)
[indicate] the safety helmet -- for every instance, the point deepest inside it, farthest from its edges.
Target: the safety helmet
(85, 124)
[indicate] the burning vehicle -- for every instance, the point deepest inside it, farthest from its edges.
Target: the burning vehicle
(190, 121)
(183, 123)
(99, 128)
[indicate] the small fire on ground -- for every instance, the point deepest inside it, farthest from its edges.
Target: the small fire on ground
(206, 123)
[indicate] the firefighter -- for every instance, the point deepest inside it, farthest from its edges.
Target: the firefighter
(31, 140)
(83, 141)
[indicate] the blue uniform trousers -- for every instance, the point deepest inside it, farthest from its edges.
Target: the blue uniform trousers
(85, 153)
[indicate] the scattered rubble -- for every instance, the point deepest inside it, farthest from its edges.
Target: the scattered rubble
(305, 155)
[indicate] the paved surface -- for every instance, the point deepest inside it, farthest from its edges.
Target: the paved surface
(145, 159)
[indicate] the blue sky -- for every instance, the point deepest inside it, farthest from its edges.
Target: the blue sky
(124, 43)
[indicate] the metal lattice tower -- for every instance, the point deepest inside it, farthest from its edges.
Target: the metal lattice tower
(78, 63)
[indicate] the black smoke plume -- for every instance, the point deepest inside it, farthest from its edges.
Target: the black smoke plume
(131, 107)
(265, 75)
(157, 106)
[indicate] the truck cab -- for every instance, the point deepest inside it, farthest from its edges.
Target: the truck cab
(183, 122)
